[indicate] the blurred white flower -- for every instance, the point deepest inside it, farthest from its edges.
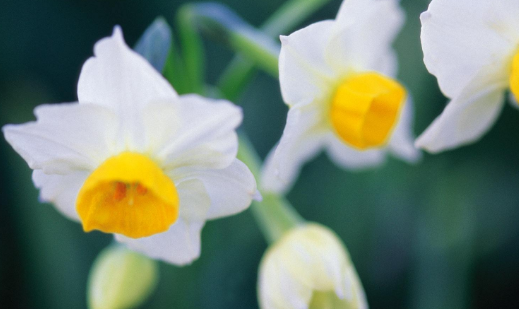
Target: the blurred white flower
(472, 47)
(135, 159)
(309, 267)
(337, 77)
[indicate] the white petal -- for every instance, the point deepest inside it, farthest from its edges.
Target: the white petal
(351, 158)
(180, 245)
(65, 137)
(464, 120)
(231, 189)
(460, 37)
(402, 140)
(122, 80)
(388, 64)
(161, 122)
(278, 288)
(119, 78)
(363, 34)
(194, 200)
(194, 131)
(61, 190)
(301, 141)
(306, 260)
(303, 71)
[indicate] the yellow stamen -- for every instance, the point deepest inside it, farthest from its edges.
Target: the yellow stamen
(128, 194)
(365, 109)
(514, 77)
(119, 191)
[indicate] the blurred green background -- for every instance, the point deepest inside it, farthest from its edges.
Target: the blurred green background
(441, 234)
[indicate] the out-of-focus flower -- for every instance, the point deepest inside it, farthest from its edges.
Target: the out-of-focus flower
(121, 279)
(309, 267)
(134, 159)
(472, 47)
(337, 77)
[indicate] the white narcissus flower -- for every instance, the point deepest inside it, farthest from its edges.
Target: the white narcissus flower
(134, 159)
(472, 47)
(309, 267)
(337, 77)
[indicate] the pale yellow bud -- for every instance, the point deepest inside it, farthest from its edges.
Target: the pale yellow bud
(121, 278)
(309, 267)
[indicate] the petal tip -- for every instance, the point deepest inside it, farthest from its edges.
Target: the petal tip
(117, 32)
(425, 16)
(257, 196)
(424, 142)
(6, 129)
(118, 35)
(111, 42)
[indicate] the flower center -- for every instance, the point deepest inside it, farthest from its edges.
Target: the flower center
(365, 109)
(514, 77)
(128, 194)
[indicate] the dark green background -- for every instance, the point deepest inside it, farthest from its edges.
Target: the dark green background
(441, 234)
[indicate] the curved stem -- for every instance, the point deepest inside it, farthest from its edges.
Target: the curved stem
(274, 214)
(240, 71)
(221, 23)
(192, 50)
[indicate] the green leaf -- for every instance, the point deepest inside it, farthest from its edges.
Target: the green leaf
(239, 72)
(175, 72)
(224, 25)
(193, 54)
(155, 43)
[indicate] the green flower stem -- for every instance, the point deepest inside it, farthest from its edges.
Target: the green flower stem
(220, 23)
(240, 71)
(274, 214)
(258, 49)
(236, 77)
(291, 14)
(192, 50)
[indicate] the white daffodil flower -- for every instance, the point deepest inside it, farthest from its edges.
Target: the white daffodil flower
(472, 47)
(134, 159)
(309, 267)
(337, 77)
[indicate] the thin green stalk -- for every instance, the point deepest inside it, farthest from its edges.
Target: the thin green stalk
(257, 49)
(192, 49)
(240, 71)
(274, 214)
(220, 23)
(175, 71)
(236, 77)
(291, 14)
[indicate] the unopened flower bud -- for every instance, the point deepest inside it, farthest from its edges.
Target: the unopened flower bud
(309, 267)
(121, 278)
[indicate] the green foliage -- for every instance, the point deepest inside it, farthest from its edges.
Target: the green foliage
(155, 43)
(440, 234)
